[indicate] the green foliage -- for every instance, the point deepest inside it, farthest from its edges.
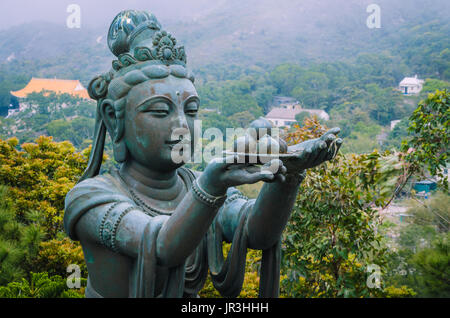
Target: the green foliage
(429, 148)
(331, 239)
(332, 236)
(230, 97)
(19, 241)
(39, 177)
(56, 255)
(421, 262)
(397, 135)
(434, 212)
(431, 85)
(399, 292)
(64, 117)
(76, 130)
(35, 183)
(300, 117)
(433, 270)
(40, 286)
(362, 139)
(426, 46)
(250, 288)
(421, 258)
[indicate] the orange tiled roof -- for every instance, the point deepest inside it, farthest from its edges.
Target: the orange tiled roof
(37, 85)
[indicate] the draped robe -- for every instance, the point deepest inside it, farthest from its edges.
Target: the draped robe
(188, 278)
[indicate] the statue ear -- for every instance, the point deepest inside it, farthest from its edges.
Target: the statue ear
(113, 125)
(109, 117)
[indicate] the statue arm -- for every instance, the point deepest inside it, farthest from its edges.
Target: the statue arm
(271, 211)
(91, 227)
(120, 226)
(264, 227)
(184, 230)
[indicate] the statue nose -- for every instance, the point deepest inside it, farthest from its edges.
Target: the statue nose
(181, 122)
(180, 127)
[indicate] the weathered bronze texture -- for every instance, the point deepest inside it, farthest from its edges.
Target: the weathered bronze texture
(153, 228)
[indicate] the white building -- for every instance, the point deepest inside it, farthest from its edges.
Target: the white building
(285, 116)
(394, 123)
(411, 85)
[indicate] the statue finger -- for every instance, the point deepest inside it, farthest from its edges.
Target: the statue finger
(329, 139)
(252, 169)
(263, 175)
(274, 166)
(233, 160)
(318, 147)
(333, 131)
(222, 160)
(334, 151)
(237, 166)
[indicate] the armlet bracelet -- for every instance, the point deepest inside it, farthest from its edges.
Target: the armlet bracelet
(235, 197)
(206, 198)
(109, 225)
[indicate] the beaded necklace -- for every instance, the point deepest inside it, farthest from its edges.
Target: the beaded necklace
(151, 211)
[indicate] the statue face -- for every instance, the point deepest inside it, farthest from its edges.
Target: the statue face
(156, 111)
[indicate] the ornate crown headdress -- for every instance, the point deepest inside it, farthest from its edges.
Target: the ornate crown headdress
(140, 33)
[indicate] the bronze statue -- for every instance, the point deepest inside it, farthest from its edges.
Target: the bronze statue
(153, 228)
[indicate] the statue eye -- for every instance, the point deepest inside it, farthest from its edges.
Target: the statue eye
(158, 109)
(191, 108)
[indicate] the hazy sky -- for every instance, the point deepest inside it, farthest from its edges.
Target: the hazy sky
(96, 12)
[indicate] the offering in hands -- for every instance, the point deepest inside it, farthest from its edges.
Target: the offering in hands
(259, 141)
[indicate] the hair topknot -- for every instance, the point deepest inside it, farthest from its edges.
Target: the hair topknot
(144, 51)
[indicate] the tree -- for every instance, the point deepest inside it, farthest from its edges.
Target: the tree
(242, 119)
(41, 285)
(40, 176)
(432, 85)
(331, 241)
(433, 270)
(397, 135)
(429, 148)
(300, 117)
(34, 182)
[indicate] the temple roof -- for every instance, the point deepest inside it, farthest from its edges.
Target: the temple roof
(37, 85)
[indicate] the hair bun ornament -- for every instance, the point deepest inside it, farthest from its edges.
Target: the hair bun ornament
(98, 87)
(136, 36)
(127, 26)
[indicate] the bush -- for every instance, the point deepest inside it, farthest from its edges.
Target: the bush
(40, 286)
(56, 255)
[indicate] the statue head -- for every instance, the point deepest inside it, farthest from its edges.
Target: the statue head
(146, 98)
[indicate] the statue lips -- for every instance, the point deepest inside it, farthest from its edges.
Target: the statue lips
(173, 143)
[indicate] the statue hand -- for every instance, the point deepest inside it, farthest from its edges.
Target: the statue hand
(222, 173)
(315, 152)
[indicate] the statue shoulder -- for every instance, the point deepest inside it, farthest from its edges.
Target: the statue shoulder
(89, 194)
(107, 183)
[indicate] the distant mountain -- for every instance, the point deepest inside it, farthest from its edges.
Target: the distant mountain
(44, 49)
(233, 32)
